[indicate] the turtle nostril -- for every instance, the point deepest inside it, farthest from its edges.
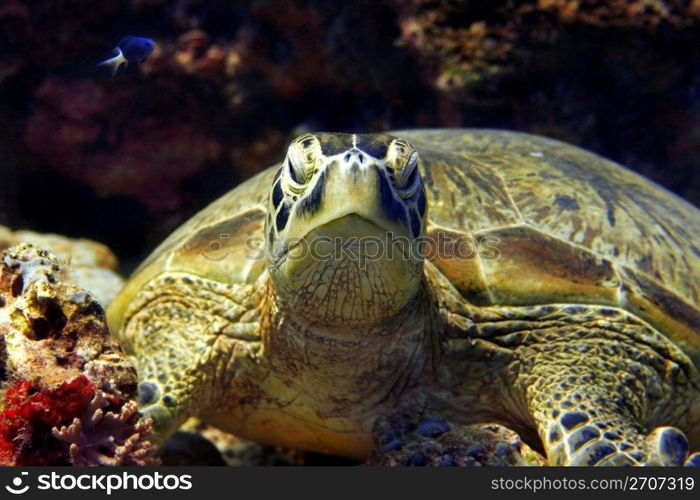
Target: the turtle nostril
(361, 158)
(347, 158)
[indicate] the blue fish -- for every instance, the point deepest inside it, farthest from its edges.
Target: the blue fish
(132, 49)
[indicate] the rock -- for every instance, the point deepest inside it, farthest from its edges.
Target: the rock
(197, 443)
(92, 266)
(67, 392)
(418, 437)
(190, 449)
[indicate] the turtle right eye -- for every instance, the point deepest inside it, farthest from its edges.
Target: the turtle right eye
(303, 157)
(293, 173)
(407, 174)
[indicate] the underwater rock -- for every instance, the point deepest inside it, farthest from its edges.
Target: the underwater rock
(197, 443)
(188, 449)
(195, 55)
(67, 392)
(416, 437)
(92, 265)
(49, 34)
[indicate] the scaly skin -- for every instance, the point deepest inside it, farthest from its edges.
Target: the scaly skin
(309, 353)
(266, 389)
(273, 388)
(596, 382)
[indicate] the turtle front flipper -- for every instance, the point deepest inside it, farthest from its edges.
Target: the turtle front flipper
(190, 337)
(608, 392)
(576, 434)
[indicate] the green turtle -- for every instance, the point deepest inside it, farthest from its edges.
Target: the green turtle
(504, 277)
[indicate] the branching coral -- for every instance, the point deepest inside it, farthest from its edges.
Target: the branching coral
(104, 437)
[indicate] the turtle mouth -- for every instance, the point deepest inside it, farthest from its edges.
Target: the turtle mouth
(349, 230)
(351, 225)
(347, 271)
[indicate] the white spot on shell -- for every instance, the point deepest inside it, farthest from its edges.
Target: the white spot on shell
(537, 154)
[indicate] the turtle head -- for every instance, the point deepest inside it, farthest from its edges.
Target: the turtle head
(345, 223)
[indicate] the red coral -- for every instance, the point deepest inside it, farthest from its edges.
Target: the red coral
(27, 418)
(12, 422)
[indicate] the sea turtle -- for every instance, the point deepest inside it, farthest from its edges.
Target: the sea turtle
(506, 277)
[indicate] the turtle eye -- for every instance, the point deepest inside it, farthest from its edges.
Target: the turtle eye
(295, 173)
(402, 160)
(409, 173)
(302, 158)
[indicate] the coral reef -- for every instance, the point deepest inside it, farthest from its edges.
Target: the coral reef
(91, 265)
(67, 390)
(616, 77)
(73, 115)
(416, 437)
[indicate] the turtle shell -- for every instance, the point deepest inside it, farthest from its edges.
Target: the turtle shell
(514, 219)
(547, 222)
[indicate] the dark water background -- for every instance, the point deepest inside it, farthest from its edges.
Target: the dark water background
(125, 161)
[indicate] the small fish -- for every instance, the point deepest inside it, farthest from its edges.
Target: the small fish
(131, 49)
